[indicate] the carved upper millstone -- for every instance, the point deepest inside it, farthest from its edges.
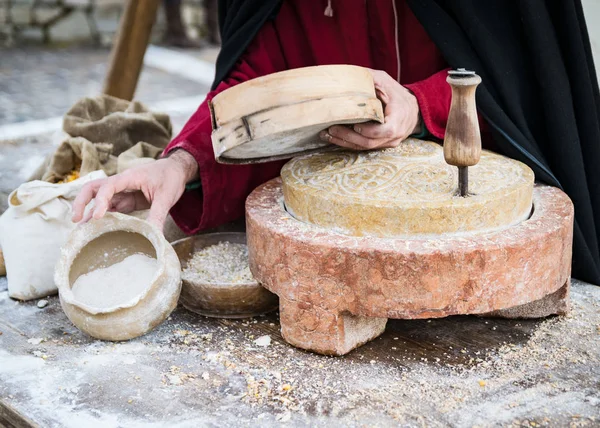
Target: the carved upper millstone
(409, 190)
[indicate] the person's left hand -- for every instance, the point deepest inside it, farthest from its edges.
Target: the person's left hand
(401, 111)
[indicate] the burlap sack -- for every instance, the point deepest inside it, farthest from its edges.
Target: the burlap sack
(108, 134)
(78, 154)
(139, 154)
(123, 124)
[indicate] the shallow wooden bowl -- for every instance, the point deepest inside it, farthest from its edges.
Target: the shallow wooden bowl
(221, 300)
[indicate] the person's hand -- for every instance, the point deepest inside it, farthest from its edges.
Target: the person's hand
(157, 185)
(401, 112)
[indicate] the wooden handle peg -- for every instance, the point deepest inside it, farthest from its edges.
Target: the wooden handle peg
(462, 142)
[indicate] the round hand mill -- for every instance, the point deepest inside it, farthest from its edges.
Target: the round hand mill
(462, 142)
(349, 239)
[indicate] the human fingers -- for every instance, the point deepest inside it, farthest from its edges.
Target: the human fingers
(326, 136)
(401, 119)
(127, 202)
(350, 136)
(113, 185)
(87, 215)
(161, 205)
(86, 194)
(384, 85)
(377, 131)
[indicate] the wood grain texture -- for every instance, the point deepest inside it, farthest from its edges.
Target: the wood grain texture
(11, 418)
(444, 355)
(130, 46)
(462, 142)
(280, 115)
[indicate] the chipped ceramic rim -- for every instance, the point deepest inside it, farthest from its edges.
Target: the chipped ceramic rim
(83, 235)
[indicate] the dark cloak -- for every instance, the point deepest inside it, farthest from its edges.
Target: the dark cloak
(539, 93)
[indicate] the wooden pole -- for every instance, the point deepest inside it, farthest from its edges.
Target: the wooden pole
(127, 54)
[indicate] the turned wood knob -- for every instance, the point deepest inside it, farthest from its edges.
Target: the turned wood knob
(462, 142)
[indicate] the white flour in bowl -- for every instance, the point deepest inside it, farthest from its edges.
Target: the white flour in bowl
(116, 284)
(224, 262)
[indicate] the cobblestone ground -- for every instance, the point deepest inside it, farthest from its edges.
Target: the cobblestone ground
(37, 83)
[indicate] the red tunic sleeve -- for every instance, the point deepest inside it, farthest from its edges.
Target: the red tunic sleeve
(224, 187)
(433, 95)
(425, 76)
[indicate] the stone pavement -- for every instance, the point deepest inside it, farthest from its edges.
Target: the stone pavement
(38, 83)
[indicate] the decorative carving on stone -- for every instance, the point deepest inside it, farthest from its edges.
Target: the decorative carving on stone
(405, 191)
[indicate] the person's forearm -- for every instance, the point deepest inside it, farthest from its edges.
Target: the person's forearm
(419, 127)
(219, 194)
(187, 162)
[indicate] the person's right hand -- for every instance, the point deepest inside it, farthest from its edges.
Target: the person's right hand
(157, 185)
(401, 115)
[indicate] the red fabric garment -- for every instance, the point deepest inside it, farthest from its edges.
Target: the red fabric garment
(359, 33)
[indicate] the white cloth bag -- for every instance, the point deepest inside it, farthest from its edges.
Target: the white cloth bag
(32, 230)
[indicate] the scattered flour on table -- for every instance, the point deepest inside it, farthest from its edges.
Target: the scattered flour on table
(223, 262)
(116, 284)
(263, 341)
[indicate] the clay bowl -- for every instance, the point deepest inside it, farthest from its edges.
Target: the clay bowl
(102, 243)
(221, 300)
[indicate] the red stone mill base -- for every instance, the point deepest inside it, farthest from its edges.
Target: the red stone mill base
(337, 292)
